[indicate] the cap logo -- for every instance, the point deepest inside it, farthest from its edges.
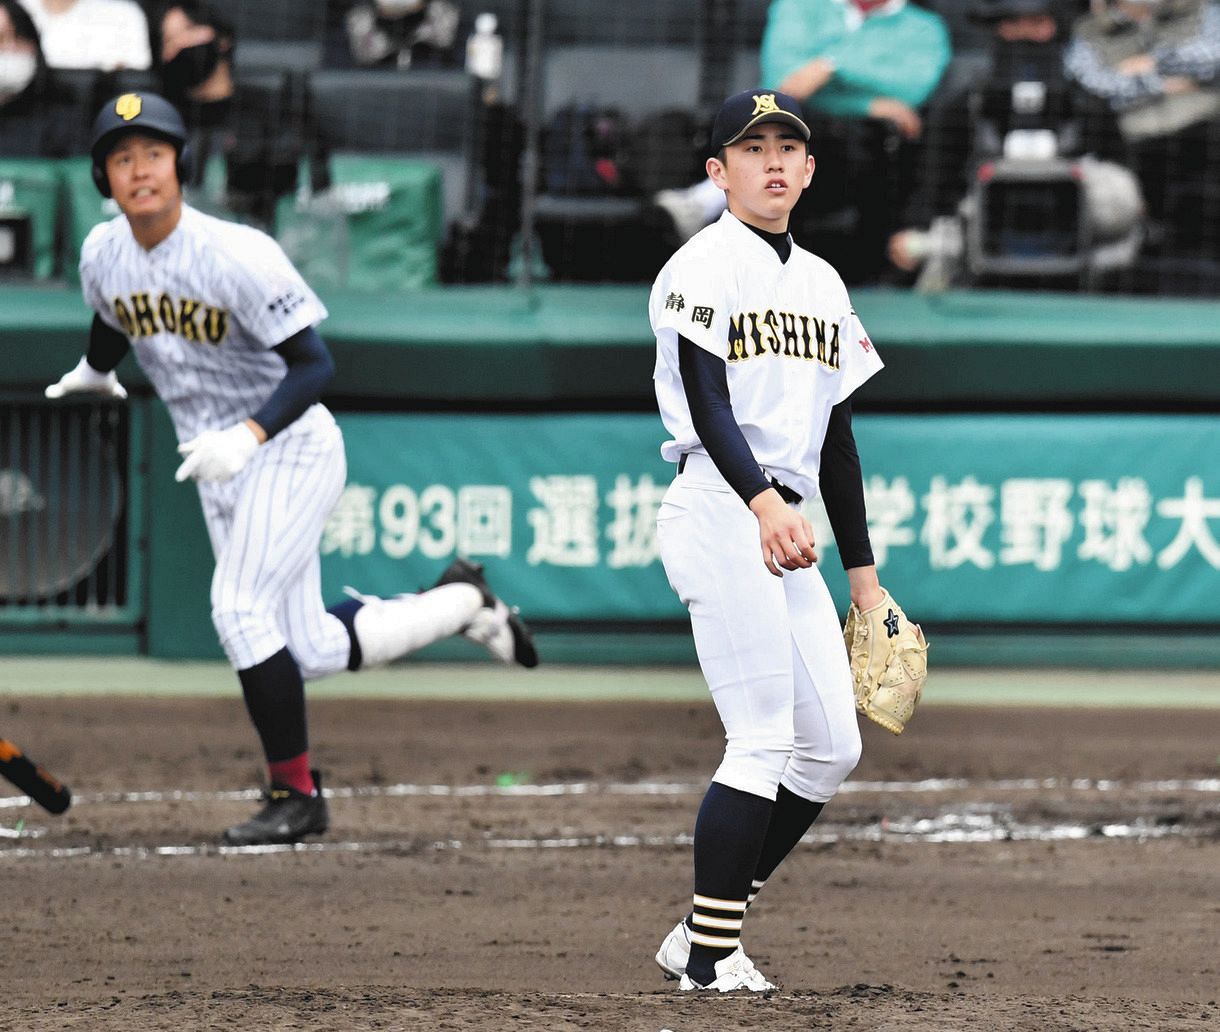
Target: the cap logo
(764, 104)
(128, 106)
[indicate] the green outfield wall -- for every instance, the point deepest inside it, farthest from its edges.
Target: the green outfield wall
(1039, 469)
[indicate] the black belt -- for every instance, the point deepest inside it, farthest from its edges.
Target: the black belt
(784, 491)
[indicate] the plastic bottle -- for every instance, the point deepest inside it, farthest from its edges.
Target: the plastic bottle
(485, 54)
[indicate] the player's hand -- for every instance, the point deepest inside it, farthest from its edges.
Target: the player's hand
(786, 536)
(1137, 64)
(217, 455)
(808, 79)
(907, 249)
(84, 379)
(1174, 84)
(902, 116)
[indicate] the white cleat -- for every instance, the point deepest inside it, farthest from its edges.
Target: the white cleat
(497, 626)
(502, 633)
(674, 955)
(675, 951)
(733, 973)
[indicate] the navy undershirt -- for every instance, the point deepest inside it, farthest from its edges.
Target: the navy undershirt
(705, 382)
(310, 369)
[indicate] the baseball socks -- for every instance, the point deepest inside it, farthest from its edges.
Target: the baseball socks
(385, 629)
(275, 699)
(729, 835)
(791, 817)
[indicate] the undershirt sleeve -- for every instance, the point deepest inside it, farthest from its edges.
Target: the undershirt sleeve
(310, 369)
(107, 346)
(842, 489)
(706, 383)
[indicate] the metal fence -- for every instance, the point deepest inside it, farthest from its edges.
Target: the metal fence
(71, 521)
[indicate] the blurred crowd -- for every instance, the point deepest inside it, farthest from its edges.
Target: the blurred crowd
(1038, 142)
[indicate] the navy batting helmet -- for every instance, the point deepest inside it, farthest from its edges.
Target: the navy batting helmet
(136, 113)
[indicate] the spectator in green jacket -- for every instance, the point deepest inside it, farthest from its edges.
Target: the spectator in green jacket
(863, 69)
(856, 58)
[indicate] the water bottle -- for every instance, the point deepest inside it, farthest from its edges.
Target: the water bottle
(485, 54)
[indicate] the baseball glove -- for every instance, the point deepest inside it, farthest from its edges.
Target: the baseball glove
(889, 662)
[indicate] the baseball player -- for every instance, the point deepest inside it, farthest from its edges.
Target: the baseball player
(224, 328)
(758, 352)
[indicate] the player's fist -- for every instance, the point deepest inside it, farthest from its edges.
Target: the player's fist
(84, 379)
(217, 454)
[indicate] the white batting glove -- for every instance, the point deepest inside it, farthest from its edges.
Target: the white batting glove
(217, 454)
(84, 379)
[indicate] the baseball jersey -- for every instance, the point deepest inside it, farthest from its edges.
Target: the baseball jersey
(793, 345)
(202, 309)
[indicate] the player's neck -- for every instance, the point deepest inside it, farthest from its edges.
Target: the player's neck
(776, 225)
(150, 230)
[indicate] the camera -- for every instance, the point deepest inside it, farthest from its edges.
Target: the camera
(1037, 210)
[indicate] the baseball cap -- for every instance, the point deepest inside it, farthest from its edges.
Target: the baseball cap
(742, 111)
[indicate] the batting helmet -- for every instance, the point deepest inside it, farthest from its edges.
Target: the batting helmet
(137, 113)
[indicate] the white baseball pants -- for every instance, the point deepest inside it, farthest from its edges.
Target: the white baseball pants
(771, 649)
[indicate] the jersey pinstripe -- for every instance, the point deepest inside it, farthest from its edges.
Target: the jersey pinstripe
(202, 309)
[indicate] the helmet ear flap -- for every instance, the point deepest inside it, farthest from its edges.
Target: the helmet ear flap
(185, 164)
(101, 180)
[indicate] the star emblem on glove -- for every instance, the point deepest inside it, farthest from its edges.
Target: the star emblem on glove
(891, 625)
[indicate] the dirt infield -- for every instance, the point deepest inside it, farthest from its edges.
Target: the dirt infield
(498, 865)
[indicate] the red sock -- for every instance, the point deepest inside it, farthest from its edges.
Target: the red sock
(294, 773)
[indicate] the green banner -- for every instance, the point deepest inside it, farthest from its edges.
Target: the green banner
(29, 207)
(1005, 518)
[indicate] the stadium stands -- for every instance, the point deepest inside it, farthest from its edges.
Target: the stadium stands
(648, 72)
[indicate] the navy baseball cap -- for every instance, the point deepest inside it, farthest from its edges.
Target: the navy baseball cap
(743, 111)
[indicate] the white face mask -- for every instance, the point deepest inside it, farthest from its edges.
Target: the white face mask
(396, 8)
(17, 68)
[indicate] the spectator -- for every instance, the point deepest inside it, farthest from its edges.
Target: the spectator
(862, 69)
(29, 125)
(192, 50)
(1020, 105)
(403, 33)
(246, 123)
(102, 34)
(1156, 63)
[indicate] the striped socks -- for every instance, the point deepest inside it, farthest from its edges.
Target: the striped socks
(729, 834)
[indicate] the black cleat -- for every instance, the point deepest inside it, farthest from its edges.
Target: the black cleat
(497, 626)
(289, 816)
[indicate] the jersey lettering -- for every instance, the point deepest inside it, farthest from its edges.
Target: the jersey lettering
(777, 333)
(190, 319)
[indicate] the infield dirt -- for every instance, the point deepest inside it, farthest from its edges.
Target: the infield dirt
(1060, 872)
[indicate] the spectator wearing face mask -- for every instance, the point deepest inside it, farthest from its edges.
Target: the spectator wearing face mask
(193, 60)
(102, 34)
(232, 120)
(403, 33)
(30, 126)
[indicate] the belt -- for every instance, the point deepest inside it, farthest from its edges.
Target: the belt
(784, 491)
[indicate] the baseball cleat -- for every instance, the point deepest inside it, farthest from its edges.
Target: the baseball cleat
(289, 816)
(733, 973)
(497, 626)
(674, 953)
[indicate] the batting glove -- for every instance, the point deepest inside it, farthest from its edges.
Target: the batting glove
(84, 379)
(217, 454)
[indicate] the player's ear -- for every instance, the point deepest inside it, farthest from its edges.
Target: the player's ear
(809, 167)
(716, 173)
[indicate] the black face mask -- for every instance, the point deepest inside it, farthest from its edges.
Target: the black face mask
(189, 67)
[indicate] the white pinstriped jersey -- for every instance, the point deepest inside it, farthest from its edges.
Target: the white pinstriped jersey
(202, 310)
